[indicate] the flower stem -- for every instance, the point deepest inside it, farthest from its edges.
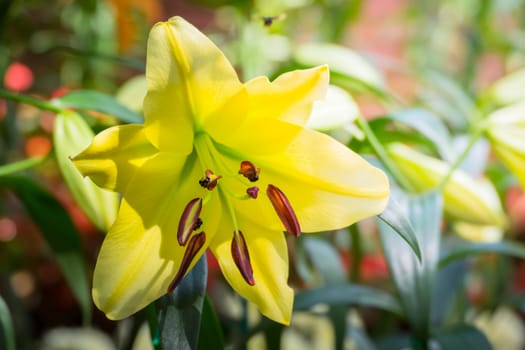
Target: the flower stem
(20, 165)
(29, 100)
(477, 133)
(383, 155)
(357, 255)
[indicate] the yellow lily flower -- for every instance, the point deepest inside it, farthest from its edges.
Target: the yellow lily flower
(190, 177)
(506, 131)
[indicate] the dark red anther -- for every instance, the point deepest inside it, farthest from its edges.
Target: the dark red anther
(253, 191)
(241, 257)
(209, 181)
(284, 210)
(189, 220)
(249, 171)
(195, 244)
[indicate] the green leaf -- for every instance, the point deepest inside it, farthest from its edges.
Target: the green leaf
(347, 294)
(395, 217)
(464, 250)
(71, 136)
(464, 337)
(97, 101)
(179, 313)
(59, 232)
(7, 334)
(430, 126)
(210, 335)
(414, 279)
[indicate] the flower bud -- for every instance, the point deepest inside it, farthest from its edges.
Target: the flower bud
(506, 131)
(466, 199)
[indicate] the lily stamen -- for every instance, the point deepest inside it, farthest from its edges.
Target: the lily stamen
(249, 171)
(241, 257)
(189, 220)
(210, 180)
(252, 191)
(284, 210)
(195, 244)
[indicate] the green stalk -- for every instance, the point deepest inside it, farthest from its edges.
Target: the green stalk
(478, 132)
(29, 100)
(357, 254)
(383, 155)
(11, 168)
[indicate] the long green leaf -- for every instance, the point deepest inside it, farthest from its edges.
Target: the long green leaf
(347, 294)
(396, 219)
(414, 279)
(464, 337)
(210, 335)
(467, 249)
(179, 313)
(97, 101)
(59, 232)
(7, 334)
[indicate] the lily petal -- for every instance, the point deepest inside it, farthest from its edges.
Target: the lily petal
(290, 97)
(269, 262)
(114, 155)
(187, 75)
(141, 255)
(328, 185)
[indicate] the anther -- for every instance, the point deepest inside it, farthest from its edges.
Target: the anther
(209, 181)
(253, 191)
(189, 220)
(249, 171)
(241, 257)
(195, 244)
(284, 210)
(197, 224)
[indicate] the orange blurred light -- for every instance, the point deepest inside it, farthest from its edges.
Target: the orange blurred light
(38, 146)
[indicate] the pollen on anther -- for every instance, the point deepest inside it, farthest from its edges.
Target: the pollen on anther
(210, 180)
(249, 171)
(189, 220)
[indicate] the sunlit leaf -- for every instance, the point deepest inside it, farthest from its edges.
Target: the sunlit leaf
(59, 233)
(464, 337)
(414, 279)
(180, 312)
(347, 294)
(97, 101)
(7, 335)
